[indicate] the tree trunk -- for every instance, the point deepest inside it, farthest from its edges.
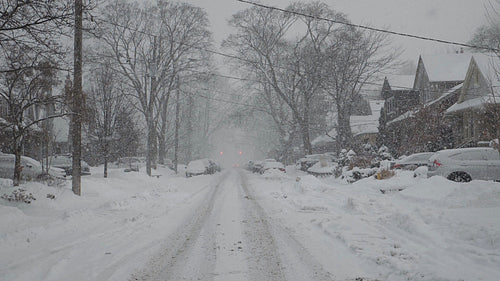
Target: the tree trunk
(177, 125)
(189, 128)
(344, 133)
(150, 141)
(105, 167)
(17, 162)
(162, 140)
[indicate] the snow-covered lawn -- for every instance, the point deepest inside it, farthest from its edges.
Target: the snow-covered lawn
(432, 229)
(105, 234)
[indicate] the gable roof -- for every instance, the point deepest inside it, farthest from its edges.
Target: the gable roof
(400, 82)
(446, 67)
(489, 65)
(367, 124)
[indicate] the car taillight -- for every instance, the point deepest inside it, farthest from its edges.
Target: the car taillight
(436, 163)
(396, 166)
(283, 170)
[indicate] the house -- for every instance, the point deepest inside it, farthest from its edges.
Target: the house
(364, 129)
(398, 94)
(437, 84)
(436, 74)
(476, 114)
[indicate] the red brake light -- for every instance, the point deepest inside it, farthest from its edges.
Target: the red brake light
(436, 163)
(396, 166)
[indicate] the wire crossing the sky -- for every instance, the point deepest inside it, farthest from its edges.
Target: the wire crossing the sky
(371, 28)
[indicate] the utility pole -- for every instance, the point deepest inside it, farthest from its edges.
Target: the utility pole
(76, 119)
(177, 125)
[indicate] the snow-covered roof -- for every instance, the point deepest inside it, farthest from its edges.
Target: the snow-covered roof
(446, 67)
(473, 103)
(364, 124)
(61, 129)
(368, 123)
(401, 82)
(489, 66)
(446, 94)
(408, 114)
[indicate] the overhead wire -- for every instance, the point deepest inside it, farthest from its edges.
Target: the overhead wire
(280, 67)
(371, 28)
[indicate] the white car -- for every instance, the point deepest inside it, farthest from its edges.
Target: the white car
(200, 167)
(413, 161)
(272, 165)
(31, 169)
(65, 162)
(466, 164)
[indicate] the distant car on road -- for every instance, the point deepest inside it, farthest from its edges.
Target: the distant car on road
(201, 167)
(413, 161)
(466, 164)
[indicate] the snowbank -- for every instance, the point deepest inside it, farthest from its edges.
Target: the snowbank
(417, 229)
(105, 234)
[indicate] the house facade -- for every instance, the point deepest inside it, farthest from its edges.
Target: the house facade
(417, 124)
(476, 114)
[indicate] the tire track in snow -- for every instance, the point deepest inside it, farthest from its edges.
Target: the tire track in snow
(295, 262)
(188, 254)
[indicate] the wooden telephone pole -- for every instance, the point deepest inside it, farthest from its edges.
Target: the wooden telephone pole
(76, 119)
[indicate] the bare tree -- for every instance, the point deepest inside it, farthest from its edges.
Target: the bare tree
(105, 103)
(352, 59)
(33, 25)
(280, 64)
(150, 46)
(25, 90)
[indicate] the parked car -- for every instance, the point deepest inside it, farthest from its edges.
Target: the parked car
(31, 168)
(308, 161)
(169, 163)
(201, 167)
(466, 164)
(130, 163)
(272, 165)
(257, 166)
(65, 162)
(413, 161)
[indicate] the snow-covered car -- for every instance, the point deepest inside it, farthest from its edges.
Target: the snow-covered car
(130, 163)
(65, 162)
(323, 168)
(257, 166)
(413, 161)
(466, 164)
(201, 167)
(272, 165)
(31, 168)
(169, 163)
(309, 160)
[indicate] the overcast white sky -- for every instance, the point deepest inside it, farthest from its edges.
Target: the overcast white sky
(453, 20)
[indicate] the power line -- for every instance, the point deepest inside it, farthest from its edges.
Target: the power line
(281, 67)
(371, 28)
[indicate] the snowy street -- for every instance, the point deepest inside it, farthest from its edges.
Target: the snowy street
(236, 225)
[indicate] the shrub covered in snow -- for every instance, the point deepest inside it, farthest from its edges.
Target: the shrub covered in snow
(19, 195)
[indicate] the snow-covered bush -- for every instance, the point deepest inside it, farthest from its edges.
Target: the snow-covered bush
(19, 195)
(356, 174)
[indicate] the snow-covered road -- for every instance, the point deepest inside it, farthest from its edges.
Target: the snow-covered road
(236, 225)
(230, 237)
